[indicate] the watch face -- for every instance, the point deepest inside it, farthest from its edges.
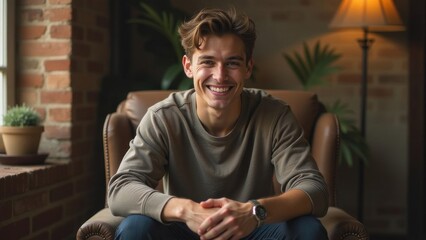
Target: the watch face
(261, 212)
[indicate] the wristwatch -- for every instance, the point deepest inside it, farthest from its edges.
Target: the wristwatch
(259, 212)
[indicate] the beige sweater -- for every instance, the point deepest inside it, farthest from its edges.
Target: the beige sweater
(171, 143)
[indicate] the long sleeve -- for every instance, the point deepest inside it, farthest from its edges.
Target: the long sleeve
(294, 166)
(132, 188)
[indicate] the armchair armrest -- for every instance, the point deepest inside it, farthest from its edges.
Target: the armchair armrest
(102, 225)
(340, 225)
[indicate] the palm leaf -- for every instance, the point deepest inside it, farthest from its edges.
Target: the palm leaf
(352, 143)
(171, 75)
(311, 68)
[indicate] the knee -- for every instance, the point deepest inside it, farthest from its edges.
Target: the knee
(306, 227)
(134, 227)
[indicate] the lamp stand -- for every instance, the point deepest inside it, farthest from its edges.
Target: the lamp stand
(365, 44)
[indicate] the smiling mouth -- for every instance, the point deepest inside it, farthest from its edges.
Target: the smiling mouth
(219, 89)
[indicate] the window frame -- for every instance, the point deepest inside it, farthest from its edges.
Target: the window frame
(7, 88)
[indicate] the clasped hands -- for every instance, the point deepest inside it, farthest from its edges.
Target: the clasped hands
(221, 219)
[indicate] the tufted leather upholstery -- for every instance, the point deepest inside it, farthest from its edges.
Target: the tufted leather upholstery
(321, 129)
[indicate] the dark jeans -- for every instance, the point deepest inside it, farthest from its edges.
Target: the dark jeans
(141, 227)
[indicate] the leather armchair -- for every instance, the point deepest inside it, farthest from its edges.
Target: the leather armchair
(321, 129)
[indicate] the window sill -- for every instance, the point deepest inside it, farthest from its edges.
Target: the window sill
(16, 180)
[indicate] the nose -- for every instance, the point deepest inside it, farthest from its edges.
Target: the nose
(220, 73)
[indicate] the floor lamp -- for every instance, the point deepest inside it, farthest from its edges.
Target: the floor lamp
(370, 16)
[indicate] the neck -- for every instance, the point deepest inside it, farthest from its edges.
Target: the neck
(219, 122)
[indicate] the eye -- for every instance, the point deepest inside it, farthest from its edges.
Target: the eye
(233, 64)
(207, 62)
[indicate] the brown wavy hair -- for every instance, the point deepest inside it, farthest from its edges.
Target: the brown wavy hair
(217, 22)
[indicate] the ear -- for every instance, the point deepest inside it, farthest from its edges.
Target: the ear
(250, 65)
(186, 63)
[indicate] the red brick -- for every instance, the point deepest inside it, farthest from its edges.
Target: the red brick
(5, 210)
(74, 206)
(57, 132)
(102, 21)
(31, 80)
(95, 67)
(46, 218)
(28, 96)
(380, 92)
(59, 14)
(92, 97)
(391, 52)
(57, 65)
(29, 64)
(60, 114)
(58, 81)
(60, 31)
(81, 50)
(80, 148)
(41, 236)
(32, 2)
(64, 149)
(97, 5)
(32, 15)
(64, 230)
(77, 33)
(61, 2)
(351, 78)
(45, 49)
(52, 174)
(95, 36)
(15, 230)
(32, 32)
(56, 97)
(12, 184)
(392, 79)
(61, 192)
(30, 203)
(85, 113)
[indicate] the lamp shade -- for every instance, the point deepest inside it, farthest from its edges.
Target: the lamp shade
(374, 15)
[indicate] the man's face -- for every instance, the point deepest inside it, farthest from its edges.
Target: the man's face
(219, 70)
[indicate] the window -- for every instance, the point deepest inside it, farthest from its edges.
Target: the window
(7, 46)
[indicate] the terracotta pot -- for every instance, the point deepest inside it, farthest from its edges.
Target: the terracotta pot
(21, 140)
(2, 150)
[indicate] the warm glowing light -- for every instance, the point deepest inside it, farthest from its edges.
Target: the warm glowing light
(374, 15)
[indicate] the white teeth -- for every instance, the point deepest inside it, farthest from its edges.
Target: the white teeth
(219, 89)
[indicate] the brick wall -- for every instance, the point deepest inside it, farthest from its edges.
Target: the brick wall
(62, 56)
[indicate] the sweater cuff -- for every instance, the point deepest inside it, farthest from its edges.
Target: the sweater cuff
(155, 205)
(318, 197)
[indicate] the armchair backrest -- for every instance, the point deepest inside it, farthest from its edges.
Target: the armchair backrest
(320, 128)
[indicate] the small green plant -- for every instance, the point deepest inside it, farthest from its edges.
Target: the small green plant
(311, 70)
(21, 115)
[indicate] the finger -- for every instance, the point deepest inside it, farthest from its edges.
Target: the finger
(210, 222)
(215, 232)
(213, 203)
(222, 231)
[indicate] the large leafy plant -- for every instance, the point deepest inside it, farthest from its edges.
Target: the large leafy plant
(166, 23)
(311, 69)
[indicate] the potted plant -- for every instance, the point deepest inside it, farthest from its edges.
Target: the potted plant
(21, 131)
(311, 68)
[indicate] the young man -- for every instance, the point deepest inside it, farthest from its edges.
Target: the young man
(217, 148)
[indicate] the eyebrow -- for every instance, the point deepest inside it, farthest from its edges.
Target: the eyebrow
(208, 57)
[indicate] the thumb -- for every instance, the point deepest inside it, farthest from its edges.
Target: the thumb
(212, 203)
